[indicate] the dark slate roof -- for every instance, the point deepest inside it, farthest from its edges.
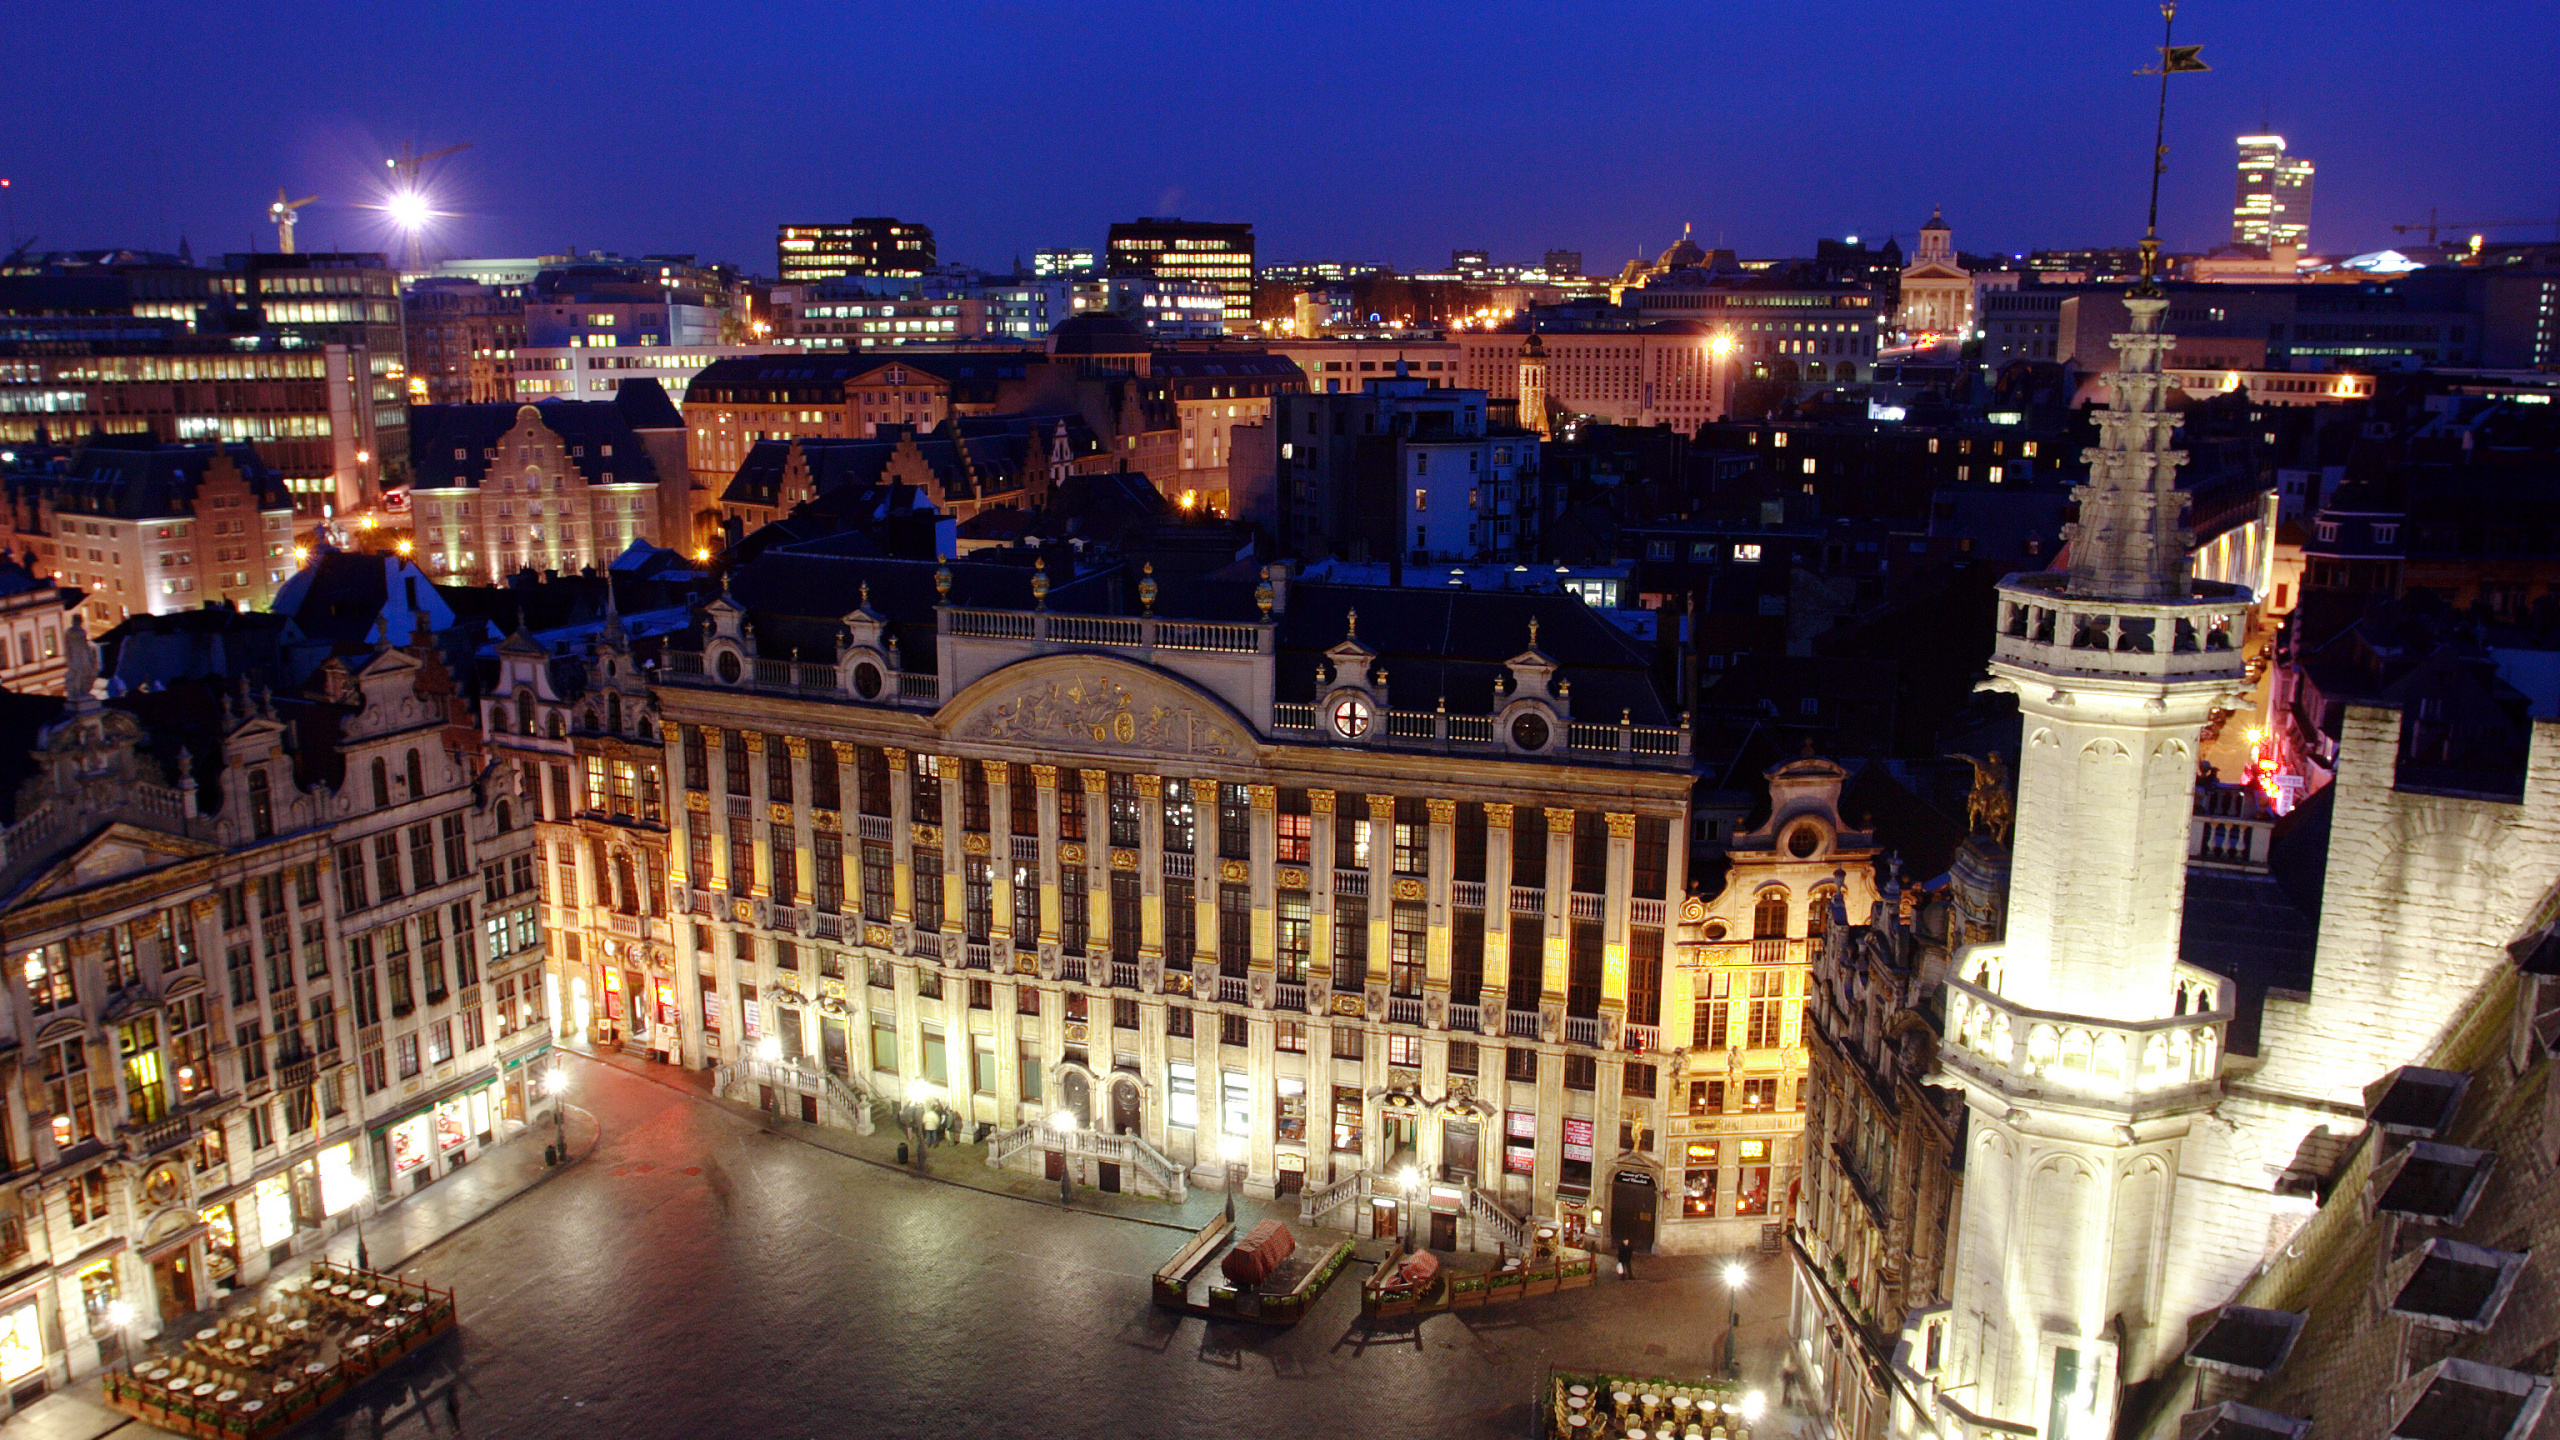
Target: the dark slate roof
(821, 379)
(1451, 644)
(1223, 365)
(450, 445)
(134, 477)
(796, 599)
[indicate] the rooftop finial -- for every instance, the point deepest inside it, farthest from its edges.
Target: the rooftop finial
(1147, 588)
(942, 581)
(866, 594)
(1351, 624)
(1533, 632)
(2174, 60)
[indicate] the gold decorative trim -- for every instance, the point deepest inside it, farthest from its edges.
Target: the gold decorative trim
(1025, 963)
(1559, 819)
(1045, 777)
(876, 936)
(778, 813)
(1150, 787)
(1346, 1005)
(1320, 802)
(1075, 1032)
(752, 739)
(1290, 877)
(929, 836)
(1408, 888)
(1444, 812)
(1204, 793)
(845, 751)
(1497, 814)
(1177, 982)
(697, 800)
(741, 911)
(1234, 872)
(710, 737)
(1071, 854)
(798, 745)
(1095, 781)
(974, 843)
(1622, 827)
(832, 988)
(1124, 859)
(1382, 807)
(897, 757)
(826, 820)
(1265, 797)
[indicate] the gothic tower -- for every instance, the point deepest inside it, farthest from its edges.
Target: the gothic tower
(2086, 1050)
(1533, 387)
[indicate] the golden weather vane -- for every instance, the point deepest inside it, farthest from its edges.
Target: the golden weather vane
(2174, 60)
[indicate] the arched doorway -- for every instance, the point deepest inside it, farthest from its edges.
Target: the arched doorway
(1125, 1107)
(1075, 1093)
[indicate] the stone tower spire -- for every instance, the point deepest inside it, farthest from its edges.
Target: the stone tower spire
(2131, 540)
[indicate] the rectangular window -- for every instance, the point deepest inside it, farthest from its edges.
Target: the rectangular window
(1182, 1095)
(977, 898)
(1590, 852)
(1751, 1177)
(1407, 947)
(1294, 828)
(1768, 991)
(439, 1042)
(1404, 1051)
(777, 770)
(927, 879)
(1070, 806)
(973, 797)
(1644, 975)
(1075, 905)
(407, 1049)
(1706, 1097)
(351, 887)
(742, 856)
(1348, 1041)
(1698, 1188)
(1412, 836)
(1350, 942)
(1350, 836)
(1235, 928)
(1652, 857)
(1122, 797)
(1581, 1072)
(1289, 1036)
(1232, 1030)
(1181, 923)
(1235, 822)
(1462, 1057)
(697, 761)
(1027, 1070)
(924, 790)
(785, 848)
(827, 888)
(1582, 968)
(1529, 847)
(1467, 839)
(871, 780)
(1712, 1012)
(825, 792)
(733, 762)
(878, 880)
(1638, 1079)
(1126, 924)
(1348, 1130)
(1235, 1104)
(1297, 926)
(1181, 818)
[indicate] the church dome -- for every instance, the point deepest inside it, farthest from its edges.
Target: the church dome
(1683, 253)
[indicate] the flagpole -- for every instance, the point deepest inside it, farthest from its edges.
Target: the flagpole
(2150, 284)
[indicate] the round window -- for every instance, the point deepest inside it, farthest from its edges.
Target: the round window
(1529, 732)
(1717, 930)
(866, 680)
(727, 667)
(1351, 717)
(1803, 840)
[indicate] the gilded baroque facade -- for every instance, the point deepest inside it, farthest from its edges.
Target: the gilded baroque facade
(1408, 961)
(246, 1006)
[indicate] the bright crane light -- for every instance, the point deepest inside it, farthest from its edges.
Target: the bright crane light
(409, 209)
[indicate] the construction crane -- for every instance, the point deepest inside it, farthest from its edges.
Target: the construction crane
(282, 214)
(2463, 227)
(408, 205)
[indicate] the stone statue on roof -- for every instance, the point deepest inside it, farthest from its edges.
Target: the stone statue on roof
(1987, 807)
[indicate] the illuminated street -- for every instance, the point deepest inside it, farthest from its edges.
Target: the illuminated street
(698, 1277)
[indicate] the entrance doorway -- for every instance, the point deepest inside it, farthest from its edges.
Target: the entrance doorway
(1444, 1230)
(1124, 1107)
(1632, 1199)
(1054, 1163)
(581, 1009)
(1076, 1094)
(836, 1045)
(1107, 1176)
(635, 988)
(1383, 1224)
(173, 1281)
(1401, 1129)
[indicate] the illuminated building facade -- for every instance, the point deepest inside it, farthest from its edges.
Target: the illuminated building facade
(1737, 996)
(734, 403)
(1149, 870)
(1400, 469)
(151, 529)
(1937, 291)
(1178, 249)
(556, 486)
(877, 245)
(2273, 207)
(249, 994)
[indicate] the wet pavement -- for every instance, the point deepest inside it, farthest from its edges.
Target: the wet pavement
(706, 1273)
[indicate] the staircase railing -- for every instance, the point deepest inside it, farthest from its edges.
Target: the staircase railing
(1005, 1145)
(1314, 1205)
(1491, 1214)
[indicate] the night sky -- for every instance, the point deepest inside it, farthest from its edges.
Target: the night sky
(1366, 132)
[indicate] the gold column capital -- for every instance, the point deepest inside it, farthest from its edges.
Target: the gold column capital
(1095, 781)
(1150, 787)
(1444, 812)
(1497, 814)
(1382, 807)
(1044, 777)
(1320, 802)
(1265, 797)
(1559, 819)
(1622, 827)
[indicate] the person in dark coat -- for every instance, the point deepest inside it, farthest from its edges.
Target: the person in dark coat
(1626, 1257)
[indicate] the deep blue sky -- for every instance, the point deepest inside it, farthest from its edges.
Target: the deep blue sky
(1365, 131)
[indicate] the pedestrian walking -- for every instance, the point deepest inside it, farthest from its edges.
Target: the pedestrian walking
(1626, 1256)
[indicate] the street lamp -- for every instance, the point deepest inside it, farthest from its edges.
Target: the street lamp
(120, 1315)
(1064, 1123)
(769, 1049)
(556, 1085)
(1734, 1276)
(1753, 1402)
(1410, 1179)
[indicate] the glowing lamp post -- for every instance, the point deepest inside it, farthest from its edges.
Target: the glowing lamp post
(556, 1085)
(120, 1315)
(1734, 1276)
(1064, 1123)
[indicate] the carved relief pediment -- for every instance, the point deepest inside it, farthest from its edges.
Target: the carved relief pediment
(1104, 705)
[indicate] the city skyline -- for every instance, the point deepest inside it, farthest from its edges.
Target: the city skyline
(1825, 146)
